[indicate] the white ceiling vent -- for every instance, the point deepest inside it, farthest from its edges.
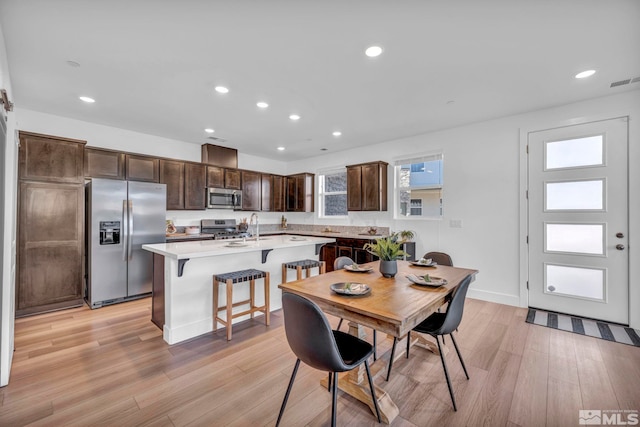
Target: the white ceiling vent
(215, 138)
(625, 82)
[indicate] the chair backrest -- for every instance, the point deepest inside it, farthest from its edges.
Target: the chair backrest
(341, 261)
(440, 258)
(309, 334)
(455, 308)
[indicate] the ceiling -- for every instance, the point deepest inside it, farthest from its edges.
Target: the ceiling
(152, 65)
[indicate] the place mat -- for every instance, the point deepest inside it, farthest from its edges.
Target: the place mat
(584, 326)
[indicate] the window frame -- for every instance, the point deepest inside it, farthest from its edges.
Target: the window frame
(397, 188)
(321, 193)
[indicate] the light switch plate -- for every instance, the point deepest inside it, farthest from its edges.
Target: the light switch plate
(455, 223)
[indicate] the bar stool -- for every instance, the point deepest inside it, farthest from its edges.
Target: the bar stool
(238, 277)
(306, 265)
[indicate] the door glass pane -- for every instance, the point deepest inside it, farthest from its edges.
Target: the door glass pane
(575, 281)
(574, 195)
(575, 238)
(574, 152)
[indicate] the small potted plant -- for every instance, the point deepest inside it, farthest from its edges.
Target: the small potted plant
(389, 250)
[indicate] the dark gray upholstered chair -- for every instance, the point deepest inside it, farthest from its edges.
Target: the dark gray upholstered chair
(441, 324)
(440, 258)
(339, 264)
(323, 349)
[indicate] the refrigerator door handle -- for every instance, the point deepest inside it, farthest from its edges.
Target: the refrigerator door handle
(130, 236)
(125, 230)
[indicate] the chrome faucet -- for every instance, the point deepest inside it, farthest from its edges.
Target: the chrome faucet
(255, 215)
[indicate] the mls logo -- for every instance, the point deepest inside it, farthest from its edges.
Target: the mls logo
(590, 417)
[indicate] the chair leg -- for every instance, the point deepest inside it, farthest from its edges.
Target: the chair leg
(329, 382)
(335, 401)
(286, 395)
(408, 343)
(455, 344)
(375, 353)
(373, 390)
(339, 324)
(446, 373)
(393, 351)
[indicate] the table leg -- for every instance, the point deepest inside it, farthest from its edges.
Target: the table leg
(355, 384)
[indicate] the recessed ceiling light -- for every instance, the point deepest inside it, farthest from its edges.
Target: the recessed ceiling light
(87, 99)
(280, 148)
(373, 51)
(262, 104)
(209, 130)
(294, 117)
(222, 89)
(337, 133)
(584, 74)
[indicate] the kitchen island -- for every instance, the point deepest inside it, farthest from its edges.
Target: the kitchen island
(183, 277)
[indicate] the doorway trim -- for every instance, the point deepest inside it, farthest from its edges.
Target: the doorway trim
(633, 206)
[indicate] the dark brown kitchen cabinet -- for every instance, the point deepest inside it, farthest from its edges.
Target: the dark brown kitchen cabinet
(328, 255)
(50, 247)
(266, 192)
(300, 193)
(367, 187)
(251, 186)
(142, 168)
(172, 175)
(50, 158)
(195, 182)
(232, 179)
(99, 163)
(217, 155)
(215, 177)
(279, 193)
(50, 229)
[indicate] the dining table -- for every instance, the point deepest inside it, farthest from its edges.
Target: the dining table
(391, 305)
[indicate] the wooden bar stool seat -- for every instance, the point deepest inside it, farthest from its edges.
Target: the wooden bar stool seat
(306, 265)
(230, 279)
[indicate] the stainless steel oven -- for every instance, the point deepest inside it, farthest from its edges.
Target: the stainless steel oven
(222, 198)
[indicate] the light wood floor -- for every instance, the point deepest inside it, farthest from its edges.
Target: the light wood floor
(111, 367)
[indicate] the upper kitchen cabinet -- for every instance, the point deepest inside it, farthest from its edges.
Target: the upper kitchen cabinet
(172, 175)
(251, 188)
(279, 193)
(185, 183)
(232, 179)
(300, 193)
(142, 168)
(99, 163)
(215, 177)
(195, 182)
(266, 192)
(217, 155)
(367, 187)
(51, 158)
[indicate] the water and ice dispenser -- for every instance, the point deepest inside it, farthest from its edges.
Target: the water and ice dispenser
(109, 232)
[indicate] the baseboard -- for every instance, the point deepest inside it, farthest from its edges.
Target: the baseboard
(496, 297)
(184, 332)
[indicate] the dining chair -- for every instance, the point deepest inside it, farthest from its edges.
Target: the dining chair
(441, 324)
(340, 263)
(440, 258)
(324, 349)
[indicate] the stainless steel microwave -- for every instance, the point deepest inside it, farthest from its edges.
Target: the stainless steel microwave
(222, 198)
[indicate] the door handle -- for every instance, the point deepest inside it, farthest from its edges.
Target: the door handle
(620, 247)
(130, 245)
(125, 229)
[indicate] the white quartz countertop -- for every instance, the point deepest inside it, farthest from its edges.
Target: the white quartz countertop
(207, 248)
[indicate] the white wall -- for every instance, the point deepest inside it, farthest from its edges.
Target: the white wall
(482, 171)
(8, 182)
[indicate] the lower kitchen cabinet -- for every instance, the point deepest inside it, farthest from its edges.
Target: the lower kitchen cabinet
(353, 248)
(50, 247)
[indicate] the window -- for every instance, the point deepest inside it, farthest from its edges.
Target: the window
(418, 187)
(332, 193)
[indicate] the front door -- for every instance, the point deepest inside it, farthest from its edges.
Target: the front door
(578, 220)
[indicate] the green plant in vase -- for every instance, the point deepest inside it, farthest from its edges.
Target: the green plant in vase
(389, 250)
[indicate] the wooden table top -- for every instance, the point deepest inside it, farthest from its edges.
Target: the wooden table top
(394, 305)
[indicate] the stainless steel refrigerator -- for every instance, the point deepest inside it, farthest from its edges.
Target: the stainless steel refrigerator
(121, 217)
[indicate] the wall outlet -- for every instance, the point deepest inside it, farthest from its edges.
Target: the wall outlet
(455, 223)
